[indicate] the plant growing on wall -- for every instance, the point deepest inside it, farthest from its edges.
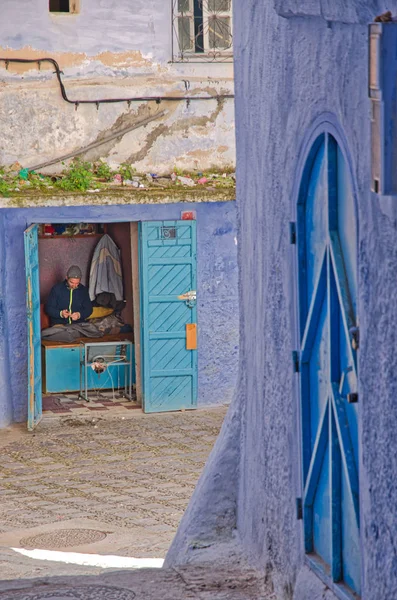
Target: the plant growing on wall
(127, 171)
(4, 187)
(103, 171)
(78, 177)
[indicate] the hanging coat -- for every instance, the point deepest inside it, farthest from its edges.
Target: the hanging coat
(105, 272)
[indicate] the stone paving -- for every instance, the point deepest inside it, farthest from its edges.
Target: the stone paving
(124, 480)
(186, 583)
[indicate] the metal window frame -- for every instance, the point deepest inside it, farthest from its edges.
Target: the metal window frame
(209, 54)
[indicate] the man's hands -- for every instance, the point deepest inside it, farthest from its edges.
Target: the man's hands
(74, 316)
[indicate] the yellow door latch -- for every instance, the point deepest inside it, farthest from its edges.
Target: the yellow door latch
(191, 336)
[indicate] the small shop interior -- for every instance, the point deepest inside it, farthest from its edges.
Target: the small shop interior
(63, 245)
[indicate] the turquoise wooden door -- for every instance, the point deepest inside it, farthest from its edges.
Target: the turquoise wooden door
(34, 330)
(168, 313)
(327, 238)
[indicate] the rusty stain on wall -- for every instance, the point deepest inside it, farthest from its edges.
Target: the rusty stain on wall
(65, 60)
(122, 122)
(109, 50)
(168, 130)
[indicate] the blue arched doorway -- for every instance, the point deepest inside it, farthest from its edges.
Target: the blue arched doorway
(327, 250)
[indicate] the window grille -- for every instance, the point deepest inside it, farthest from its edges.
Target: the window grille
(168, 233)
(202, 30)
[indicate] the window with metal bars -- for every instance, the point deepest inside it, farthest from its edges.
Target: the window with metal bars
(202, 30)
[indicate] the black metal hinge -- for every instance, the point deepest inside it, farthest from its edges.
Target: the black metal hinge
(295, 361)
(352, 398)
(299, 509)
(292, 232)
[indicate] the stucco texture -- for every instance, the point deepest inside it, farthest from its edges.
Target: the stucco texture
(112, 49)
(295, 76)
(217, 300)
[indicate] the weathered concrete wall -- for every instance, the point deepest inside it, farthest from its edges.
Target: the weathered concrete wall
(294, 76)
(118, 48)
(217, 302)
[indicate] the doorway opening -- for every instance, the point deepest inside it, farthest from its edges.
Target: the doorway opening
(95, 373)
(150, 332)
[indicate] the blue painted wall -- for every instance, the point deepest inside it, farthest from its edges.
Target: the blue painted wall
(217, 300)
(295, 77)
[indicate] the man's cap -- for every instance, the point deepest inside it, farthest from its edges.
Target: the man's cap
(74, 272)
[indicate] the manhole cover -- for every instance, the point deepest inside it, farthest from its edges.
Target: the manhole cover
(86, 592)
(63, 538)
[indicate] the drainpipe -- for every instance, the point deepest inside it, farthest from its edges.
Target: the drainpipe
(5, 375)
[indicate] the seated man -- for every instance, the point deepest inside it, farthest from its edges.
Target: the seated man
(69, 301)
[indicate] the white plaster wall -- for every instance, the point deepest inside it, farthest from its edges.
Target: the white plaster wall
(110, 49)
(111, 25)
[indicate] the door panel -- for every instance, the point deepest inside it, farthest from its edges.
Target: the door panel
(318, 374)
(315, 218)
(34, 329)
(168, 271)
(321, 512)
(328, 365)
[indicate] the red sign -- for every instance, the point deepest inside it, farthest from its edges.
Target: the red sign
(188, 215)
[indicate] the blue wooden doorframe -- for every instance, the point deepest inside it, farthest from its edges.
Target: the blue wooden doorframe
(327, 234)
(168, 314)
(33, 323)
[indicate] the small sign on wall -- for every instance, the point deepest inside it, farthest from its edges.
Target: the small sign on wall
(188, 215)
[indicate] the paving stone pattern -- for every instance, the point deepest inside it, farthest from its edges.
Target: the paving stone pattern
(135, 474)
(196, 583)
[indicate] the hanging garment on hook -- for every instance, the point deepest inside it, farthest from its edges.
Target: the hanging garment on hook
(105, 273)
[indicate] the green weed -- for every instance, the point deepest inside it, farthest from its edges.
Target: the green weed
(78, 177)
(103, 171)
(127, 171)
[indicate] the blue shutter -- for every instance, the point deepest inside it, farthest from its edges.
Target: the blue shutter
(327, 238)
(168, 306)
(34, 329)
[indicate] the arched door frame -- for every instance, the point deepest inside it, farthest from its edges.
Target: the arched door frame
(323, 125)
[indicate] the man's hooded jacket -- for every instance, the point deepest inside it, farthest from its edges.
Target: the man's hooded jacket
(64, 298)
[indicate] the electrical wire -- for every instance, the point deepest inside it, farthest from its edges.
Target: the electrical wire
(99, 101)
(116, 361)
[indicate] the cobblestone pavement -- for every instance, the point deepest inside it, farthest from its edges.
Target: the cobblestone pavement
(103, 485)
(187, 583)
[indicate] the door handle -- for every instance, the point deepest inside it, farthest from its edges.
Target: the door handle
(189, 298)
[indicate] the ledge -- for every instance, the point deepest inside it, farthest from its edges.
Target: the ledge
(30, 199)
(353, 12)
